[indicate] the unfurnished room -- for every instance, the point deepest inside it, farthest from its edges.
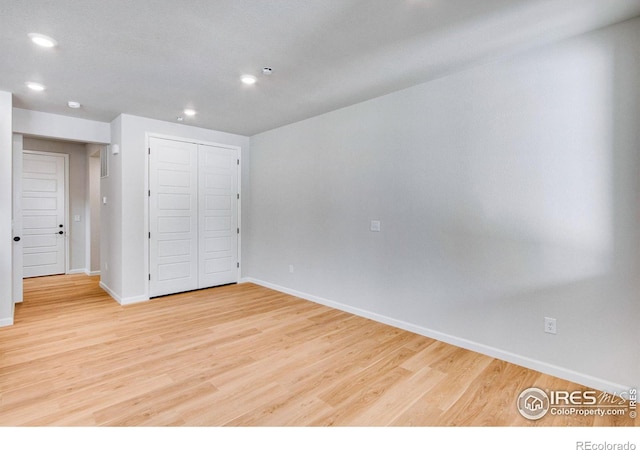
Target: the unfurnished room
(315, 213)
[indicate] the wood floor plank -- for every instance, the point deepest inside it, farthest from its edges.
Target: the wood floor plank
(242, 355)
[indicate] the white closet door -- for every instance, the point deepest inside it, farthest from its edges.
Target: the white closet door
(173, 217)
(218, 216)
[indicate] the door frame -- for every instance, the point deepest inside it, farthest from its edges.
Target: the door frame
(16, 214)
(147, 144)
(66, 200)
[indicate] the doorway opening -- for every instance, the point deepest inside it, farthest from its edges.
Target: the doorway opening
(56, 211)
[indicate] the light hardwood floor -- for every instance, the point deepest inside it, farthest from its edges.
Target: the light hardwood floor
(242, 355)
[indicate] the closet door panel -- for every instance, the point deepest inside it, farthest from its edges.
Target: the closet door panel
(218, 216)
(173, 217)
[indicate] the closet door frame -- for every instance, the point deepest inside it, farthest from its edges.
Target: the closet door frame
(148, 136)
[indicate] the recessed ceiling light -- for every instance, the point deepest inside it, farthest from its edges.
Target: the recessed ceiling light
(248, 79)
(42, 40)
(34, 86)
(189, 112)
(74, 105)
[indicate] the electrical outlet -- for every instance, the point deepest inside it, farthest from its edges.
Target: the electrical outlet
(550, 325)
(290, 268)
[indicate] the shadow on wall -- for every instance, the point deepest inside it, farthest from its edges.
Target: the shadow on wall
(578, 252)
(540, 197)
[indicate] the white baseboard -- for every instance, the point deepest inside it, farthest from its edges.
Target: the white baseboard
(540, 366)
(132, 300)
(84, 271)
(6, 322)
(113, 295)
(126, 300)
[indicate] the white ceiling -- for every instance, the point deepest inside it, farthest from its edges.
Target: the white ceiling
(153, 58)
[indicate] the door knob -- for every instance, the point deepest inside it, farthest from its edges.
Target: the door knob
(60, 225)
(60, 232)
(17, 238)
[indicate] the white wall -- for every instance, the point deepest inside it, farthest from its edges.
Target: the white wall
(76, 231)
(506, 193)
(6, 237)
(55, 126)
(124, 220)
(111, 219)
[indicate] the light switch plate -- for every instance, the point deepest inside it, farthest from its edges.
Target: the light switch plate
(375, 225)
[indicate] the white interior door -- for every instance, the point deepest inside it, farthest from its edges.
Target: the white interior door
(218, 216)
(173, 220)
(43, 214)
(17, 219)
